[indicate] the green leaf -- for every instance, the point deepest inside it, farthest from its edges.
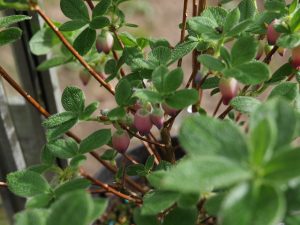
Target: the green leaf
(180, 216)
(232, 19)
(248, 9)
(9, 35)
(9, 20)
(53, 62)
(100, 206)
(182, 98)
(73, 185)
(281, 73)
(43, 41)
(199, 174)
(202, 135)
(74, 9)
(284, 116)
(211, 62)
(85, 41)
(240, 54)
(99, 22)
(287, 90)
(249, 73)
(116, 113)
(289, 40)
(148, 96)
(201, 24)
(157, 201)
(262, 140)
(58, 119)
(158, 78)
(244, 104)
(211, 82)
(140, 219)
(173, 80)
(160, 54)
(77, 161)
(244, 205)
(149, 163)
(182, 49)
(39, 201)
(239, 28)
(73, 25)
(27, 183)
(136, 170)
(31, 216)
(283, 167)
(77, 208)
(63, 148)
(89, 110)
(56, 132)
(101, 8)
(295, 21)
(73, 99)
(216, 14)
(95, 140)
(123, 92)
(188, 200)
(109, 154)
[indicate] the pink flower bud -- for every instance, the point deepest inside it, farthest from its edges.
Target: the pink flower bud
(157, 118)
(84, 77)
(168, 110)
(281, 51)
(120, 141)
(260, 50)
(272, 34)
(295, 59)
(105, 42)
(142, 121)
(228, 88)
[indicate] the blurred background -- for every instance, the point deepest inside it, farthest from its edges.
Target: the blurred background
(21, 135)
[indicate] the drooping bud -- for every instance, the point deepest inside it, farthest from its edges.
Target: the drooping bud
(142, 121)
(157, 118)
(260, 50)
(281, 51)
(169, 110)
(198, 78)
(104, 42)
(84, 77)
(228, 88)
(295, 59)
(120, 141)
(272, 34)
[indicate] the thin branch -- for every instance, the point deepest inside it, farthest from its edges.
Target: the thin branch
(218, 106)
(110, 189)
(3, 184)
(153, 152)
(72, 50)
(90, 3)
(44, 112)
(183, 27)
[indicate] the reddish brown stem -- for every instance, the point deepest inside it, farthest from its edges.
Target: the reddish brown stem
(90, 3)
(3, 184)
(110, 189)
(218, 106)
(72, 50)
(183, 27)
(44, 112)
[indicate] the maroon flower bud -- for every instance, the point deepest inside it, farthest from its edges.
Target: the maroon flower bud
(198, 78)
(228, 88)
(105, 42)
(120, 141)
(260, 50)
(142, 121)
(84, 77)
(169, 110)
(281, 51)
(295, 59)
(157, 118)
(272, 34)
